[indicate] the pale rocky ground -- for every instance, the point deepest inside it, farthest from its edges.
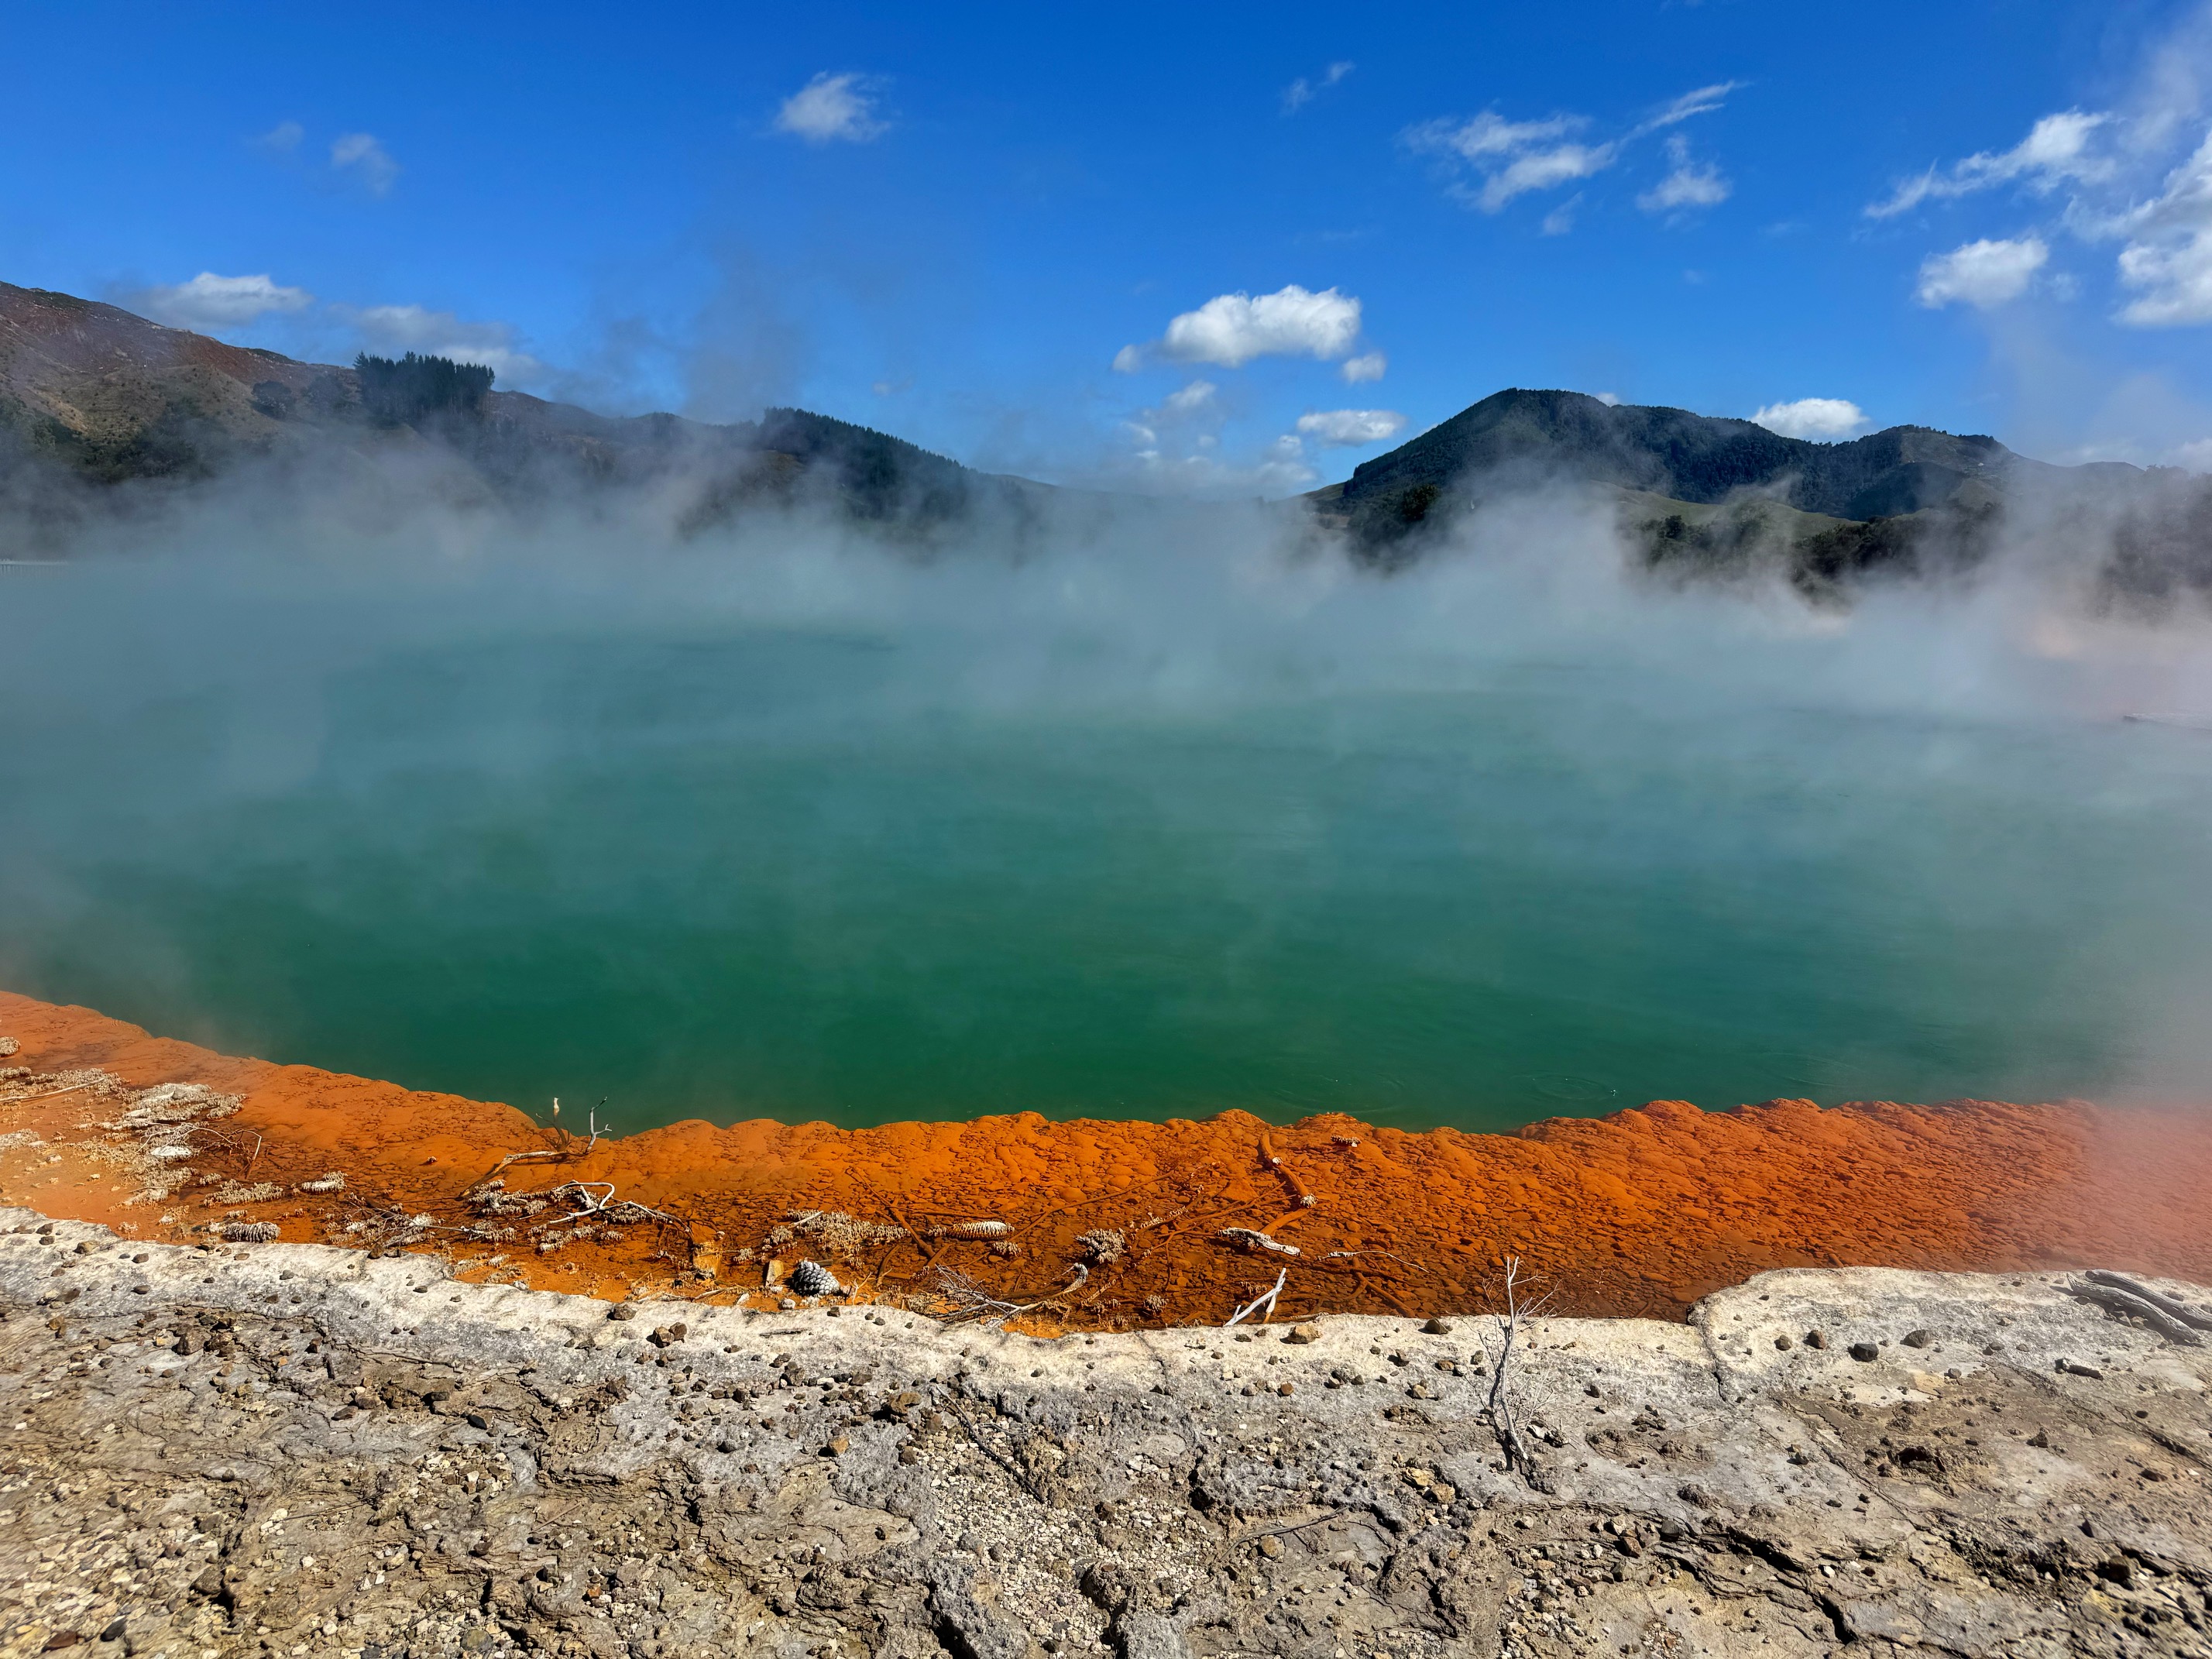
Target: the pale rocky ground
(294, 1450)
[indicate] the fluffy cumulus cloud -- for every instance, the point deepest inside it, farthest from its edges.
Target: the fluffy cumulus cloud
(1688, 184)
(1511, 159)
(209, 302)
(1823, 420)
(1302, 91)
(363, 156)
(1367, 365)
(2167, 261)
(1351, 428)
(1230, 329)
(390, 329)
(2137, 178)
(1982, 274)
(2058, 149)
(832, 109)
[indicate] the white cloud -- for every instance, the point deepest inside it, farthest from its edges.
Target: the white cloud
(1982, 274)
(1514, 158)
(1823, 420)
(1561, 218)
(1350, 428)
(284, 137)
(2057, 151)
(1177, 448)
(365, 156)
(1703, 101)
(1232, 329)
(390, 328)
(2168, 255)
(830, 108)
(1688, 184)
(2197, 456)
(1368, 366)
(210, 301)
(1610, 399)
(1301, 92)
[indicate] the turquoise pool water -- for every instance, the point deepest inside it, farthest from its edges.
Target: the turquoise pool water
(712, 862)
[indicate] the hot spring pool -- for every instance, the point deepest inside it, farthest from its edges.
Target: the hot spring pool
(719, 864)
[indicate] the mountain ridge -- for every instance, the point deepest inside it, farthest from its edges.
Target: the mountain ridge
(102, 395)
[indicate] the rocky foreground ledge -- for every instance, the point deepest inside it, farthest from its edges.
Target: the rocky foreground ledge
(296, 1450)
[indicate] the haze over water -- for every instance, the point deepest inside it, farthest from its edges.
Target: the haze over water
(816, 834)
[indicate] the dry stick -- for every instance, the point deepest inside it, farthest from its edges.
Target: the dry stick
(1268, 1299)
(1500, 1408)
(2165, 1305)
(2121, 1302)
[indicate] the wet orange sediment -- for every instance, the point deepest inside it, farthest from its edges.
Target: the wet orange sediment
(1641, 1212)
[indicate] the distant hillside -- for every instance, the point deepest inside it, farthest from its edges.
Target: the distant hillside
(93, 393)
(1704, 494)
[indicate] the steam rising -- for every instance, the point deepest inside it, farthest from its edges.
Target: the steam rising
(1092, 809)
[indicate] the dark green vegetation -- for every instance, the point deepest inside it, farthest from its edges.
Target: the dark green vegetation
(93, 397)
(410, 390)
(1708, 496)
(99, 408)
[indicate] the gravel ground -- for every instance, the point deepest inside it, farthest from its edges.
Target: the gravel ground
(294, 1450)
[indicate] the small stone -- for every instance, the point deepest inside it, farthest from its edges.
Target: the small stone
(1287, 1389)
(1437, 1327)
(908, 1455)
(623, 1310)
(1783, 1343)
(1272, 1547)
(1920, 1339)
(1816, 1339)
(1865, 1352)
(478, 1420)
(114, 1630)
(1302, 1335)
(838, 1447)
(2040, 1440)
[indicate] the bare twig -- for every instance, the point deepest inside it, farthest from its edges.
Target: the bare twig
(970, 1301)
(1257, 1301)
(1500, 1405)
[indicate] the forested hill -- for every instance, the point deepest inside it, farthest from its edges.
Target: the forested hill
(93, 394)
(1529, 437)
(1701, 494)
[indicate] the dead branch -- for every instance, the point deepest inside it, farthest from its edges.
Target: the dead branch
(971, 1301)
(1500, 1407)
(2166, 1305)
(2133, 1307)
(1257, 1301)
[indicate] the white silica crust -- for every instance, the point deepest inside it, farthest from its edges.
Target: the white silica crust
(276, 1448)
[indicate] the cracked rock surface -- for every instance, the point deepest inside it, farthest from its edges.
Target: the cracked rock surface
(296, 1449)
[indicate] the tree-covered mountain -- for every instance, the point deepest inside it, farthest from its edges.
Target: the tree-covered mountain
(1699, 494)
(91, 394)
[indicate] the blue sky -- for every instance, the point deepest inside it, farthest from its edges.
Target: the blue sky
(952, 223)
